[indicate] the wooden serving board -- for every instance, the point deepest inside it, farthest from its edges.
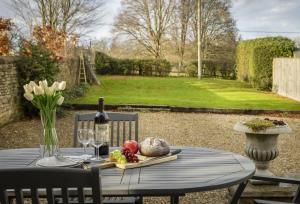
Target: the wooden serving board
(146, 161)
(143, 161)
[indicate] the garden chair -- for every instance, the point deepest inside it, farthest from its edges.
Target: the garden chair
(296, 199)
(123, 126)
(31, 181)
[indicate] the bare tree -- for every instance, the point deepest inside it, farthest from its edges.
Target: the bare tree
(65, 15)
(146, 21)
(216, 22)
(179, 27)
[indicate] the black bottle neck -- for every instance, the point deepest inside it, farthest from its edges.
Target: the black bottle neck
(101, 105)
(101, 116)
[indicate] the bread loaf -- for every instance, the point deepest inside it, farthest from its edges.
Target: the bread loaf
(154, 147)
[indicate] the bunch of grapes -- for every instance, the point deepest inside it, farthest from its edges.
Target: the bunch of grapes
(130, 157)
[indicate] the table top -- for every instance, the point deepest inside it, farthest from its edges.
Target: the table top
(195, 170)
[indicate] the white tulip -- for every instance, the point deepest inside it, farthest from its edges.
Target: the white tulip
(55, 86)
(62, 85)
(49, 91)
(28, 96)
(60, 100)
(43, 84)
(32, 84)
(27, 88)
(38, 90)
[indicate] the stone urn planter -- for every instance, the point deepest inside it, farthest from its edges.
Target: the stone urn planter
(261, 144)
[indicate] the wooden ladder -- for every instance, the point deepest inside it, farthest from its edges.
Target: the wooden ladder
(82, 73)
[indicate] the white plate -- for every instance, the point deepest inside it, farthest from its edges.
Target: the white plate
(57, 162)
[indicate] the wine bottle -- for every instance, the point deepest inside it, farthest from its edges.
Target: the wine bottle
(101, 126)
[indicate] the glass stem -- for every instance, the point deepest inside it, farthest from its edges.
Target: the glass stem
(84, 147)
(97, 152)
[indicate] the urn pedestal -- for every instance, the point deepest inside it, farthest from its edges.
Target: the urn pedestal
(261, 147)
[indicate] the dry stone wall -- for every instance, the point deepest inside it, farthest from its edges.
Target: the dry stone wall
(69, 72)
(9, 91)
(10, 94)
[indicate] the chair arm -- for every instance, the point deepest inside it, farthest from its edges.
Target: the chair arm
(277, 179)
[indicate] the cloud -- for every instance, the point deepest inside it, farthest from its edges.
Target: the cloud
(250, 15)
(267, 15)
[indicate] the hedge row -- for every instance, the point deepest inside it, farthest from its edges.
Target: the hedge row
(212, 68)
(145, 67)
(254, 59)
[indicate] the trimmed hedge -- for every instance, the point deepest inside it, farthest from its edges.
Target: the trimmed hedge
(254, 59)
(145, 67)
(213, 68)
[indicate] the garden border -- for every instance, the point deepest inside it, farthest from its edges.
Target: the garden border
(156, 108)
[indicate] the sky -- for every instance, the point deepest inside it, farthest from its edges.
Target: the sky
(254, 18)
(267, 16)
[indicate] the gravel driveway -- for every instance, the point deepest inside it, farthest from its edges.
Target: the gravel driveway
(186, 129)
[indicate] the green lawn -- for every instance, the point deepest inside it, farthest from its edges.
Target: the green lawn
(189, 92)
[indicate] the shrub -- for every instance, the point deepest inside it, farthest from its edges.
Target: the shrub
(103, 63)
(77, 91)
(35, 64)
(191, 70)
(145, 67)
(255, 58)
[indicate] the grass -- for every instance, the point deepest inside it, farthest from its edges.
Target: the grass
(188, 92)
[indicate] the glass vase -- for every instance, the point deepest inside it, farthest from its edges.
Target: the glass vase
(49, 145)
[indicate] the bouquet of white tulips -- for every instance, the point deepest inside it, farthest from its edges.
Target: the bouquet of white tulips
(43, 96)
(46, 99)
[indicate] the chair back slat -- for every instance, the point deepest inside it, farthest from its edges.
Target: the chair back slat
(118, 133)
(19, 195)
(35, 179)
(129, 130)
(34, 196)
(112, 132)
(80, 195)
(96, 195)
(91, 124)
(50, 198)
(119, 124)
(3, 196)
(124, 132)
(136, 132)
(65, 195)
(75, 140)
(297, 196)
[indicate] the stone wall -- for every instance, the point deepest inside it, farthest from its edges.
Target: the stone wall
(10, 108)
(9, 91)
(69, 72)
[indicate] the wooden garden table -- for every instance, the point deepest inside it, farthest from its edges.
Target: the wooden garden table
(195, 170)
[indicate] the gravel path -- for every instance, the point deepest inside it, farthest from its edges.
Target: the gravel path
(186, 129)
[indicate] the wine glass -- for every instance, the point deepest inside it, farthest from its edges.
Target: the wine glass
(85, 136)
(101, 135)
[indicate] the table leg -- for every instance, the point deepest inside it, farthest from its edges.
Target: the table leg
(175, 199)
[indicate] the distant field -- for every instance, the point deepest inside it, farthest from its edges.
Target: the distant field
(189, 92)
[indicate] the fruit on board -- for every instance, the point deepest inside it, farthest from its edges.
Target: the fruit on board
(122, 157)
(122, 160)
(132, 145)
(117, 156)
(130, 157)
